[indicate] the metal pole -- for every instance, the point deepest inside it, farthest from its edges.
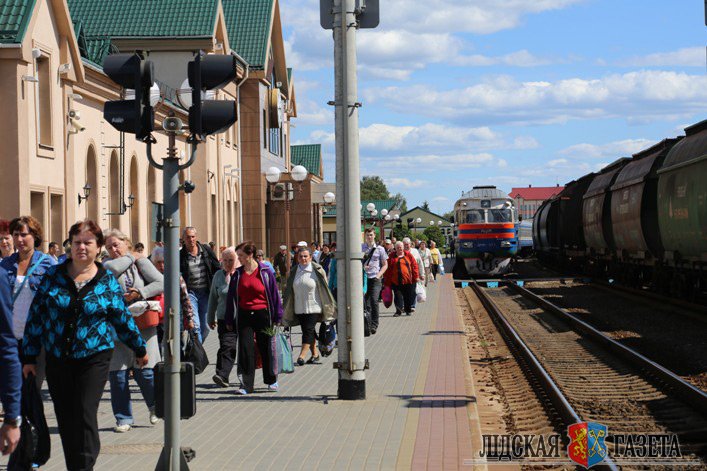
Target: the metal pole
(172, 457)
(287, 225)
(352, 361)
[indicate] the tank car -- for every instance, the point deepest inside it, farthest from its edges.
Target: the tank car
(487, 236)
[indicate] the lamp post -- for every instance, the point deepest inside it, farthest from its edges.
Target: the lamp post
(329, 199)
(86, 193)
(298, 174)
(417, 221)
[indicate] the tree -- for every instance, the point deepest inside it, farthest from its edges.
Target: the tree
(401, 232)
(400, 202)
(435, 233)
(373, 188)
(425, 205)
(449, 216)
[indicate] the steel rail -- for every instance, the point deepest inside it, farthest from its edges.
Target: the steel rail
(558, 399)
(692, 395)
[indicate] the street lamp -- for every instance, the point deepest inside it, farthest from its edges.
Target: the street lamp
(298, 174)
(329, 197)
(86, 193)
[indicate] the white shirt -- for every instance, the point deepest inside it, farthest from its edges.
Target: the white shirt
(307, 300)
(426, 255)
(420, 266)
(21, 308)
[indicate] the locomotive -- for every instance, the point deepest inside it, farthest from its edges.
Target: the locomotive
(486, 239)
(641, 220)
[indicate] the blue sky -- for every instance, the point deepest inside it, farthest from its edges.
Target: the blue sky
(511, 93)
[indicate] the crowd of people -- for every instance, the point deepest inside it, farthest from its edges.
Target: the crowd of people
(80, 318)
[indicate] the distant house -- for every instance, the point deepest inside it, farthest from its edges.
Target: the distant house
(528, 200)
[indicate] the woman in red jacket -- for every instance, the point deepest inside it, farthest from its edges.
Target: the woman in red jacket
(402, 275)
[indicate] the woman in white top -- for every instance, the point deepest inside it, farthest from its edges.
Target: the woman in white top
(426, 256)
(307, 296)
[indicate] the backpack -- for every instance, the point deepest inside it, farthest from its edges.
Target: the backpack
(327, 338)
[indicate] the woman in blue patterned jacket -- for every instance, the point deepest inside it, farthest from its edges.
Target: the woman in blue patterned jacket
(71, 316)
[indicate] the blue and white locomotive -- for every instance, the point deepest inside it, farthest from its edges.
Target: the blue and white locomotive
(487, 232)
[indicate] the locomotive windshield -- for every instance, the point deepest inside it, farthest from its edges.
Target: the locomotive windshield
(500, 215)
(474, 216)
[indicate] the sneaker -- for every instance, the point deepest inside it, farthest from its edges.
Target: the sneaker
(412, 309)
(220, 381)
(153, 417)
(397, 313)
(242, 392)
(122, 428)
(273, 387)
(408, 313)
(373, 331)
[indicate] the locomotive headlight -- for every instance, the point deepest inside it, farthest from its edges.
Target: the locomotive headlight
(467, 245)
(505, 243)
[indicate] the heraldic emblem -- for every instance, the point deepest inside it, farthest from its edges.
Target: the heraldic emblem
(587, 446)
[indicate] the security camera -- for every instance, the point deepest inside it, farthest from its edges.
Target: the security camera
(74, 114)
(65, 68)
(188, 186)
(76, 126)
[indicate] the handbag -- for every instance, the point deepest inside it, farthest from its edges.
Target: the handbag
(366, 323)
(387, 296)
(146, 314)
(194, 353)
(35, 445)
(421, 293)
(285, 364)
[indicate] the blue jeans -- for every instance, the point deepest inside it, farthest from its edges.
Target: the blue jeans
(200, 305)
(120, 392)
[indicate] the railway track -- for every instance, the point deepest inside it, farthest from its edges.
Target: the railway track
(588, 381)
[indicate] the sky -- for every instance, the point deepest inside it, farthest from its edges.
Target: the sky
(511, 93)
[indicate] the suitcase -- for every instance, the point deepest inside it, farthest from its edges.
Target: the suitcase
(187, 378)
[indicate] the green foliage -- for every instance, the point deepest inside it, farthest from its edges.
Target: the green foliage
(373, 188)
(400, 202)
(435, 233)
(402, 232)
(425, 205)
(448, 215)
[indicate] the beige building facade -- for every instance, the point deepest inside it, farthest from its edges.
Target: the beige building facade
(56, 142)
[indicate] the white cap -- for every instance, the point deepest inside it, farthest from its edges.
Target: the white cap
(283, 247)
(388, 241)
(301, 243)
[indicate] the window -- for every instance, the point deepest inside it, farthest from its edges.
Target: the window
(43, 97)
(500, 215)
(474, 216)
(56, 215)
(265, 129)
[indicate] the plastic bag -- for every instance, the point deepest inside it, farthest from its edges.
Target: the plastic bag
(285, 364)
(421, 293)
(441, 269)
(387, 296)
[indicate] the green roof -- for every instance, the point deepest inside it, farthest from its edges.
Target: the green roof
(14, 18)
(309, 156)
(330, 211)
(96, 23)
(248, 26)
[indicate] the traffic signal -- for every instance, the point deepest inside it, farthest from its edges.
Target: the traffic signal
(211, 72)
(132, 116)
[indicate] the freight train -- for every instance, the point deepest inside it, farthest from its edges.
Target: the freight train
(486, 237)
(640, 220)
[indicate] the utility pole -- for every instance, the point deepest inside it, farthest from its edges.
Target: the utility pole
(344, 17)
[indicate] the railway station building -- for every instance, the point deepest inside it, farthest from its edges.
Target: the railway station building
(63, 162)
(528, 200)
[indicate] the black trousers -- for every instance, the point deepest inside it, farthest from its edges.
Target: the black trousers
(372, 299)
(404, 294)
(252, 323)
(308, 323)
(227, 350)
(435, 269)
(76, 387)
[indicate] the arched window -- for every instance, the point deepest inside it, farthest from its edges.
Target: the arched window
(92, 203)
(135, 226)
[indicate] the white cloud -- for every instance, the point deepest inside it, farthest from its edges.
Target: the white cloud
(440, 198)
(612, 150)
(430, 162)
(521, 58)
(404, 182)
(685, 57)
(642, 96)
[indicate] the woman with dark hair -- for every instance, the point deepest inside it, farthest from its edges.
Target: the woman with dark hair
(6, 247)
(25, 270)
(253, 305)
(308, 301)
(71, 317)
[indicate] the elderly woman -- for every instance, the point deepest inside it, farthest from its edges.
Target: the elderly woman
(253, 306)
(402, 274)
(73, 311)
(187, 311)
(25, 270)
(308, 300)
(6, 247)
(426, 258)
(228, 339)
(140, 281)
